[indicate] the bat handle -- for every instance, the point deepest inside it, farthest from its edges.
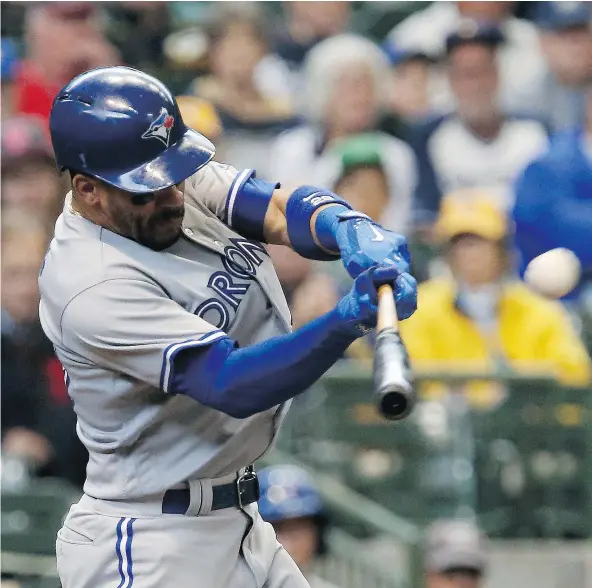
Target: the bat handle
(387, 310)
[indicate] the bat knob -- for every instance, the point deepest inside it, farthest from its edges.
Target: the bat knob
(396, 403)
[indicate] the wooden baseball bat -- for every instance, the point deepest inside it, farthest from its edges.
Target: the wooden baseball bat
(392, 386)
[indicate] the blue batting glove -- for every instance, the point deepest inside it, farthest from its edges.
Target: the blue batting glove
(359, 306)
(363, 244)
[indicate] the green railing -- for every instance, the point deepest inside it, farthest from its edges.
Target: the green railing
(31, 517)
(521, 463)
(360, 527)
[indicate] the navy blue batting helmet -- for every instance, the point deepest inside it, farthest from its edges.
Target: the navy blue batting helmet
(287, 492)
(124, 127)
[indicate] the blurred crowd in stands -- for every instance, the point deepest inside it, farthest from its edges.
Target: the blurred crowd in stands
(467, 126)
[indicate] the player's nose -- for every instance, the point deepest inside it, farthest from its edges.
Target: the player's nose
(171, 196)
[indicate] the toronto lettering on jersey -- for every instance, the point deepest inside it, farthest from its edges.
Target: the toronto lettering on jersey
(240, 261)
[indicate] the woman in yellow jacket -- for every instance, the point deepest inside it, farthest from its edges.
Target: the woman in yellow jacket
(480, 317)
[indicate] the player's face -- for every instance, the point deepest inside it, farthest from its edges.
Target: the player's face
(21, 260)
(453, 580)
(352, 107)
(153, 220)
(366, 189)
(476, 261)
(299, 537)
(473, 77)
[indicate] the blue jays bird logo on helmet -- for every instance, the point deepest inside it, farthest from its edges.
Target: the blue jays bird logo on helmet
(160, 127)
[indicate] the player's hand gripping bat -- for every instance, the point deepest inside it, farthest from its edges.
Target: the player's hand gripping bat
(392, 387)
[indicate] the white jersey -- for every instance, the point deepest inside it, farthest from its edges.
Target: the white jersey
(451, 157)
(117, 313)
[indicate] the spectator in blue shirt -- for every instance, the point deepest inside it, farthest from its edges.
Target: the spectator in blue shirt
(554, 199)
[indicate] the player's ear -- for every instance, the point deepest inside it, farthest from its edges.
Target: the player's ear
(85, 188)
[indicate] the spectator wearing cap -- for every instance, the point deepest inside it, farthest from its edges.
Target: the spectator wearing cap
(362, 177)
(566, 35)
(481, 317)
(9, 62)
(31, 182)
(522, 64)
(362, 169)
(410, 86)
(291, 503)
(554, 201)
(455, 555)
(251, 114)
(63, 39)
(478, 144)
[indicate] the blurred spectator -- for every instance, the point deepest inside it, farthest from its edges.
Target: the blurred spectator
(522, 65)
(23, 398)
(63, 39)
(200, 115)
(362, 178)
(250, 116)
(360, 169)
(292, 504)
(554, 200)
(455, 555)
(345, 77)
(9, 66)
(566, 36)
(139, 28)
(30, 179)
(37, 419)
(304, 25)
(478, 144)
(410, 86)
(481, 318)
(345, 82)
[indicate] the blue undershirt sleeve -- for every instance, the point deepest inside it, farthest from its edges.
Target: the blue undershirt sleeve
(244, 381)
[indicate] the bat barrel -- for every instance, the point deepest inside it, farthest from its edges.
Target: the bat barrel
(393, 390)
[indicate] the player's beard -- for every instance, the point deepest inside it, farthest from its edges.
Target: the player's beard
(160, 230)
(157, 231)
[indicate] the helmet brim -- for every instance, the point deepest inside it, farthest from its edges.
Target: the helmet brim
(172, 166)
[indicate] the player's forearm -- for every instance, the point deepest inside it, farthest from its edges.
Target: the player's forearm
(243, 382)
(275, 227)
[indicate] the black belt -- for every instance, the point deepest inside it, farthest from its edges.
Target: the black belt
(244, 490)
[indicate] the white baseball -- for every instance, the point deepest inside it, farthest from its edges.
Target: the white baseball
(554, 273)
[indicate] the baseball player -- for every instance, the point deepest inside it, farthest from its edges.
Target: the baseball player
(175, 337)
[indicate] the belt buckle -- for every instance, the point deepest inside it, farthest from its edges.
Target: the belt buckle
(248, 475)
